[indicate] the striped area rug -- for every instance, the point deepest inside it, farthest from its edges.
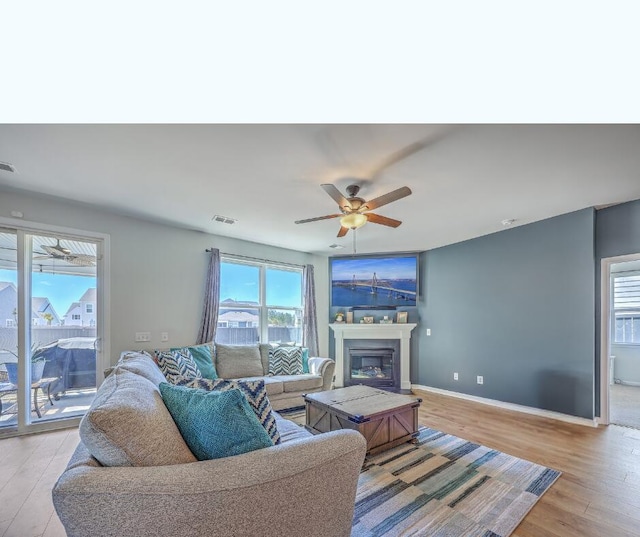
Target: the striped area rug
(446, 486)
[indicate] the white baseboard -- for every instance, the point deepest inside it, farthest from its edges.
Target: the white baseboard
(511, 406)
(627, 382)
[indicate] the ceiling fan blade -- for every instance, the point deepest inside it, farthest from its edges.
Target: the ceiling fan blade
(342, 202)
(405, 152)
(56, 249)
(387, 198)
(317, 218)
(377, 219)
(53, 251)
(81, 260)
(399, 155)
(343, 231)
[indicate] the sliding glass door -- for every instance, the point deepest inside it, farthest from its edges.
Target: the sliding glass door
(50, 327)
(9, 401)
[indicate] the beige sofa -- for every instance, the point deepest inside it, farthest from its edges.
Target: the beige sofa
(305, 485)
(251, 362)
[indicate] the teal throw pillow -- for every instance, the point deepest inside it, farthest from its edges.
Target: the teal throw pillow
(305, 360)
(203, 357)
(214, 424)
(255, 392)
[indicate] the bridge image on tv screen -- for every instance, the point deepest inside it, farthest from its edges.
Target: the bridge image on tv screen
(379, 281)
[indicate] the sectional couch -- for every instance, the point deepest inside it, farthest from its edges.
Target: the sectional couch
(303, 486)
(250, 362)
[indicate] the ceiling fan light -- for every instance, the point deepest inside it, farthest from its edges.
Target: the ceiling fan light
(353, 220)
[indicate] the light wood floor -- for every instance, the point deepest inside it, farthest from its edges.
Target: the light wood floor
(29, 467)
(598, 493)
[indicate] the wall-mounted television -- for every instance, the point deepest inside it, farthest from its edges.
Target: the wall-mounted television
(374, 280)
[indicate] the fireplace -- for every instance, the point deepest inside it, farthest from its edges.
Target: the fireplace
(367, 336)
(372, 366)
(374, 362)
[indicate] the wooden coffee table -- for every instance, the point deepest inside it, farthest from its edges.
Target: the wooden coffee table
(385, 419)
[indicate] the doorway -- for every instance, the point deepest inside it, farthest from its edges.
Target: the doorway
(620, 333)
(51, 327)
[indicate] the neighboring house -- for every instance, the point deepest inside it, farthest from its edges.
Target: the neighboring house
(238, 319)
(238, 314)
(42, 311)
(82, 312)
(8, 303)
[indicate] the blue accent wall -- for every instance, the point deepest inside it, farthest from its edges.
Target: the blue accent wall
(518, 308)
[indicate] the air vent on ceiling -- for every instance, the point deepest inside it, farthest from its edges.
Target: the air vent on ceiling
(224, 219)
(6, 167)
(336, 246)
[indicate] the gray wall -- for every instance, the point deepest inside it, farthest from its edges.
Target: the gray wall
(518, 308)
(157, 270)
(617, 233)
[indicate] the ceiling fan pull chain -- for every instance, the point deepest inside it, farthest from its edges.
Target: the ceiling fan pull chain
(354, 240)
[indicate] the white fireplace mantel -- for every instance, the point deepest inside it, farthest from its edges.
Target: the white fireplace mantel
(400, 331)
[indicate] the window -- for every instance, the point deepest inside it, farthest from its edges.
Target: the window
(626, 308)
(75, 317)
(259, 302)
(10, 323)
(88, 308)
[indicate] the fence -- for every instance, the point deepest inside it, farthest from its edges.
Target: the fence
(251, 336)
(40, 335)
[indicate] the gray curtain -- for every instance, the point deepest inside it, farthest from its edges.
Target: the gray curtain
(310, 327)
(211, 299)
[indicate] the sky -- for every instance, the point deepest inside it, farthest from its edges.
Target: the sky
(60, 289)
(240, 283)
(386, 268)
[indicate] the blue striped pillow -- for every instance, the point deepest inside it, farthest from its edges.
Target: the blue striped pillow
(285, 361)
(178, 363)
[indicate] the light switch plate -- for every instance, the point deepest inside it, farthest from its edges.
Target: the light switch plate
(141, 337)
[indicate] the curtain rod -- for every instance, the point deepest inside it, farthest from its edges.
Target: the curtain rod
(247, 258)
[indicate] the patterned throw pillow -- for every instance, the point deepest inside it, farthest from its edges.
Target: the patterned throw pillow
(254, 390)
(214, 424)
(203, 357)
(178, 363)
(285, 361)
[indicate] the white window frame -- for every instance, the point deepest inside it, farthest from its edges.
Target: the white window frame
(103, 342)
(10, 323)
(622, 312)
(88, 308)
(262, 307)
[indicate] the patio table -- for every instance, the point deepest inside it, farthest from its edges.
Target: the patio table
(44, 384)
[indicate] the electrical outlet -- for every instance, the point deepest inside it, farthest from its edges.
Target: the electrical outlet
(164, 336)
(142, 337)
(455, 376)
(480, 379)
(428, 331)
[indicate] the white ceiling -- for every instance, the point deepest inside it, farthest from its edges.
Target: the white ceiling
(465, 181)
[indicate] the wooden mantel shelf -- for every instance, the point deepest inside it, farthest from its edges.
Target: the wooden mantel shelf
(400, 331)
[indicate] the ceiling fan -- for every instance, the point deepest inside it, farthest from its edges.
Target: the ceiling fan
(63, 253)
(355, 211)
